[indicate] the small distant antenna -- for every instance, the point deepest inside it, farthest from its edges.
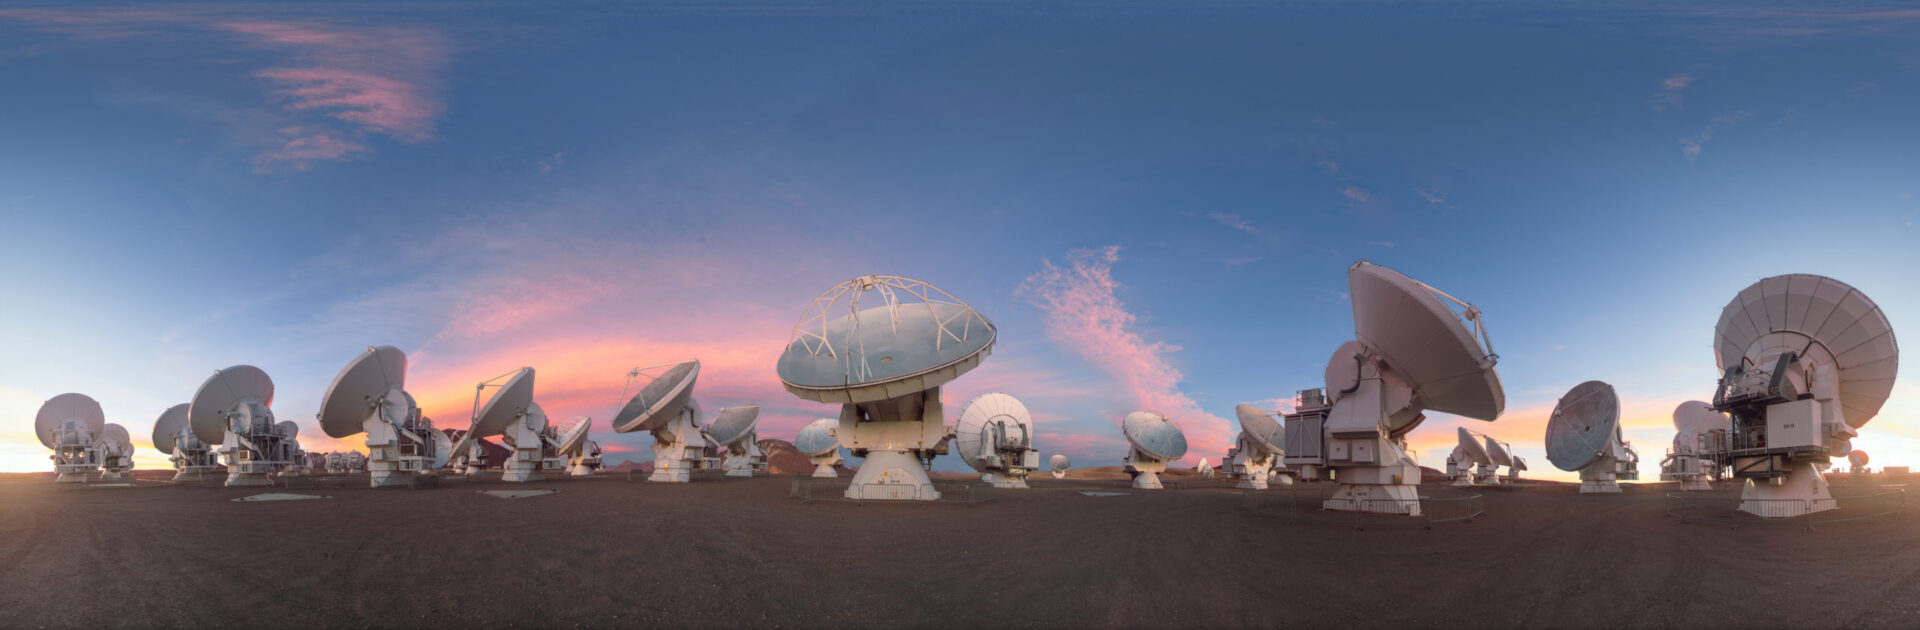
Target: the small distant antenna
(1155, 440)
(818, 442)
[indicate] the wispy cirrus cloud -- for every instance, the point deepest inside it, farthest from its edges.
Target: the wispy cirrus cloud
(336, 85)
(1672, 94)
(1083, 314)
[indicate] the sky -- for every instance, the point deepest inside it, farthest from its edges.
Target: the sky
(1155, 205)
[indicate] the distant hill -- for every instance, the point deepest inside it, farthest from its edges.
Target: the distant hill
(784, 459)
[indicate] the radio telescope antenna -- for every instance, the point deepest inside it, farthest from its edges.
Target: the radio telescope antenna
(1155, 441)
(192, 459)
(1502, 455)
(995, 437)
(233, 408)
(666, 408)
(818, 442)
(369, 396)
(512, 415)
(116, 452)
(1256, 455)
(1584, 436)
(1805, 362)
(1412, 353)
(733, 429)
(1857, 462)
(1470, 464)
(1059, 464)
(885, 363)
(583, 455)
(1686, 461)
(69, 425)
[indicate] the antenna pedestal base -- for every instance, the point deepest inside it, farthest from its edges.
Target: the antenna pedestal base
(1696, 484)
(1801, 492)
(112, 476)
(1003, 480)
(525, 473)
(676, 474)
(1599, 486)
(1145, 470)
(1255, 479)
(824, 465)
(70, 477)
(248, 479)
(892, 476)
(741, 465)
(1379, 499)
(582, 470)
(389, 478)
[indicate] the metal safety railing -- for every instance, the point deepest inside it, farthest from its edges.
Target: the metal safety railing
(809, 490)
(1304, 505)
(1807, 513)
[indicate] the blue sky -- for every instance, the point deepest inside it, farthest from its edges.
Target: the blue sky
(600, 186)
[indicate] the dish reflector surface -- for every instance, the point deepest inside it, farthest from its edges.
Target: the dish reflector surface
(1261, 426)
(343, 411)
(1154, 435)
(508, 403)
(1583, 423)
(885, 351)
(1822, 319)
(660, 401)
(574, 436)
(1471, 445)
(817, 437)
(167, 426)
(733, 424)
(1058, 462)
(1857, 458)
(984, 409)
(116, 434)
(68, 406)
(1498, 452)
(1423, 340)
(222, 391)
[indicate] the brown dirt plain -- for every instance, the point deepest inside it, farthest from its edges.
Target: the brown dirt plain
(605, 552)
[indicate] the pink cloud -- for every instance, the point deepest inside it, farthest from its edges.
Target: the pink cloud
(367, 80)
(1083, 315)
(1356, 194)
(303, 146)
(376, 78)
(1672, 92)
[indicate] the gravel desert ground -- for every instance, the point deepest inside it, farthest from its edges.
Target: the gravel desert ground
(606, 552)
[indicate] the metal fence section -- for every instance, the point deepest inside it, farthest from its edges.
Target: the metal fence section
(1731, 510)
(809, 490)
(1301, 505)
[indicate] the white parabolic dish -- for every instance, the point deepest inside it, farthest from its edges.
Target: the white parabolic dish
(508, 403)
(1154, 435)
(885, 351)
(222, 391)
(1499, 453)
(168, 426)
(343, 411)
(732, 424)
(116, 434)
(1059, 463)
(1261, 426)
(1821, 319)
(660, 401)
(978, 414)
(817, 437)
(1426, 342)
(1583, 424)
(1474, 450)
(574, 436)
(68, 406)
